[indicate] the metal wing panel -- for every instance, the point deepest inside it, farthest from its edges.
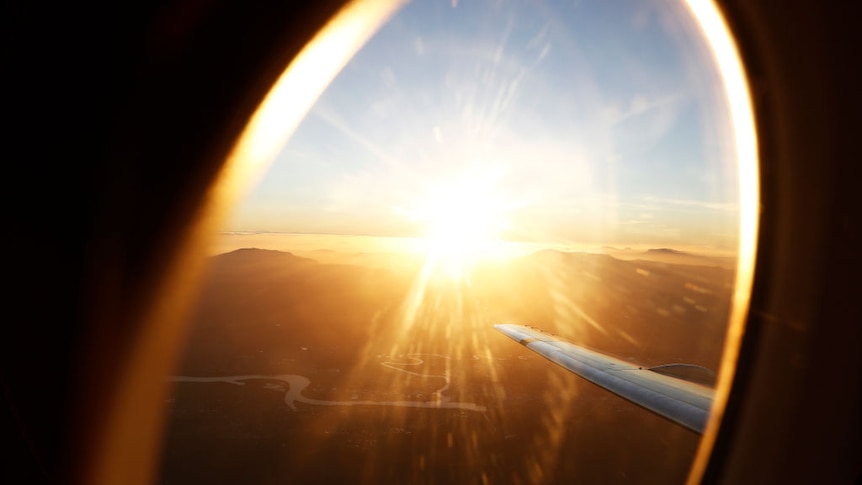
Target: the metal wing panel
(683, 402)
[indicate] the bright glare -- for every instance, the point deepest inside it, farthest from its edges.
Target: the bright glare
(463, 220)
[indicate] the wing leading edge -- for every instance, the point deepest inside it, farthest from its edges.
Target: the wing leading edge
(681, 401)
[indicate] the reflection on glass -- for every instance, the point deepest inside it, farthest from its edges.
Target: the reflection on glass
(569, 167)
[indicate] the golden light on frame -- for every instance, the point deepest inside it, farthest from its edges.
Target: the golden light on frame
(126, 443)
(295, 92)
(460, 221)
(738, 96)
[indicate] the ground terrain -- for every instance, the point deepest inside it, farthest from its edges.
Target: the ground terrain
(388, 335)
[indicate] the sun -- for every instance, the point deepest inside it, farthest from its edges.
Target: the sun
(462, 220)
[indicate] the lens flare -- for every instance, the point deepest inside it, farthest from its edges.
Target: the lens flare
(463, 221)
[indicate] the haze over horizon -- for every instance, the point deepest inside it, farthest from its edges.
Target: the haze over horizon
(601, 123)
(326, 246)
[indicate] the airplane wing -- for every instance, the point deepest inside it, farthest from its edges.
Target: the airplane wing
(684, 402)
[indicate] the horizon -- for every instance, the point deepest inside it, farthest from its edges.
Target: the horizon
(328, 248)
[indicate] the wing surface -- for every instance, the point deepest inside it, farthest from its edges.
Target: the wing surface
(681, 401)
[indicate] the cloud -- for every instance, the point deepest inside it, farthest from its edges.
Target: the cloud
(694, 204)
(640, 103)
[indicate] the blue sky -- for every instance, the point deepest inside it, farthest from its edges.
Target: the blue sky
(593, 121)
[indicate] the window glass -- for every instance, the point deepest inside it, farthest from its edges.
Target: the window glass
(565, 165)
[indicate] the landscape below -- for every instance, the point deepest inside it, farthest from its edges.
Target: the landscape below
(374, 368)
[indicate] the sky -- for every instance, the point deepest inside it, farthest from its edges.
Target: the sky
(593, 121)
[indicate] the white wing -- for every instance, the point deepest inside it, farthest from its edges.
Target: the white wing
(679, 400)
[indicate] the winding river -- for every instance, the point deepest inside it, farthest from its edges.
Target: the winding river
(296, 384)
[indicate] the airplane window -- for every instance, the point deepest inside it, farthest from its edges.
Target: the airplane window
(480, 175)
